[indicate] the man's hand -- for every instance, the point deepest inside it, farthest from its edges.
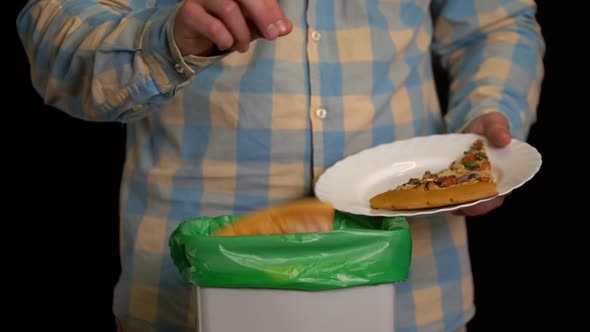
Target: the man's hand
(202, 25)
(495, 127)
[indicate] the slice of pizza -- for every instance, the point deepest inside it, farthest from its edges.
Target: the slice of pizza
(300, 216)
(468, 178)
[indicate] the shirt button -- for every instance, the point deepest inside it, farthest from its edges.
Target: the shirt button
(178, 68)
(315, 35)
(321, 113)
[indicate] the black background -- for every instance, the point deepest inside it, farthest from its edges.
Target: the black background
(66, 194)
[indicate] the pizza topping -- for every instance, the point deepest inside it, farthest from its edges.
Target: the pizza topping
(473, 166)
(484, 166)
(469, 157)
(469, 164)
(472, 160)
(414, 181)
(448, 181)
(428, 176)
(468, 176)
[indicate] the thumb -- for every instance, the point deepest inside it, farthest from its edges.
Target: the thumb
(494, 126)
(497, 129)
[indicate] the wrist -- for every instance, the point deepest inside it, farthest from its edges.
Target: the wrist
(192, 44)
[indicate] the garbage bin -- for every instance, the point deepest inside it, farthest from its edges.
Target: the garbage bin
(342, 280)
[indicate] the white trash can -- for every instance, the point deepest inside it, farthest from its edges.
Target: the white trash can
(341, 281)
(354, 309)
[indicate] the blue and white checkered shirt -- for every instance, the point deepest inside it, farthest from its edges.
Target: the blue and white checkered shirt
(236, 132)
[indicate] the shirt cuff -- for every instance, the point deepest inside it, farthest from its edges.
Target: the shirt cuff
(189, 62)
(169, 69)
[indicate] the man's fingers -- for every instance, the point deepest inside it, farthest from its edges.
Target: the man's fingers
(198, 19)
(230, 13)
(254, 33)
(227, 24)
(481, 208)
(268, 17)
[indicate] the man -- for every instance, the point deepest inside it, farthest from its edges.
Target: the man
(234, 105)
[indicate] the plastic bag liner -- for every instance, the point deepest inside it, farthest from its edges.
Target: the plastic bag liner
(360, 250)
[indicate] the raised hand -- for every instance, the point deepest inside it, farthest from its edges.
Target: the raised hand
(203, 25)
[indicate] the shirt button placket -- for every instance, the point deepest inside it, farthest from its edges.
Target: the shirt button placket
(317, 112)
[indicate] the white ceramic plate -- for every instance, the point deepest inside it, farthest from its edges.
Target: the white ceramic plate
(351, 182)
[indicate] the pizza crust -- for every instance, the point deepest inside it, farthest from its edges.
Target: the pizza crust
(302, 216)
(418, 198)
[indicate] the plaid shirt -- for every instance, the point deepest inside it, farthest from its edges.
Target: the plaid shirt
(236, 132)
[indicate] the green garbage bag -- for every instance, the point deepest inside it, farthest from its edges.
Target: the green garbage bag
(360, 250)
